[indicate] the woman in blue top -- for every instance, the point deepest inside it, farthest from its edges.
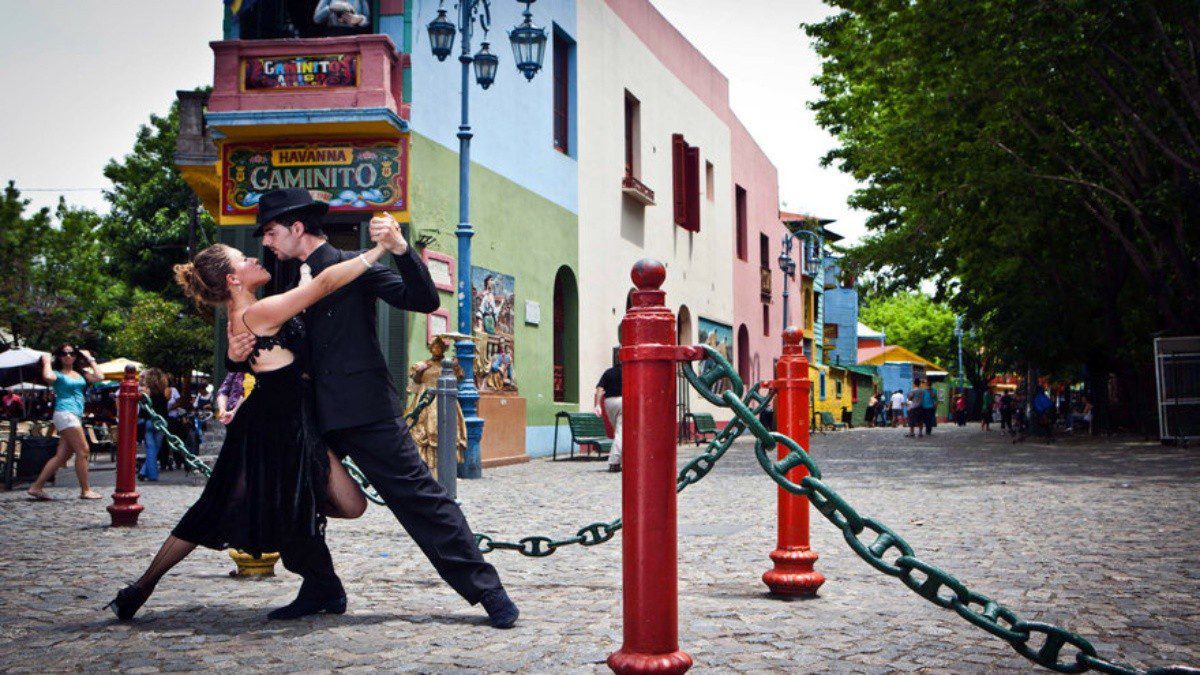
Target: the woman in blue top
(68, 385)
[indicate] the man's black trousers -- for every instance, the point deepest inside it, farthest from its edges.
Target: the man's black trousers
(385, 452)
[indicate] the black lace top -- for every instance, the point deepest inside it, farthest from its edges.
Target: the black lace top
(290, 336)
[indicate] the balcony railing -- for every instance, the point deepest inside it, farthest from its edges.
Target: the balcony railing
(634, 188)
(359, 71)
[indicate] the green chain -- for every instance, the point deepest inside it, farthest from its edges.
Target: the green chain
(364, 484)
(930, 582)
(174, 441)
(697, 468)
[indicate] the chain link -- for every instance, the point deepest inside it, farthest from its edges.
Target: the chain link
(410, 418)
(692, 472)
(176, 444)
(928, 581)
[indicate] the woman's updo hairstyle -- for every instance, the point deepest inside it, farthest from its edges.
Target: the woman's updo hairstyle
(203, 279)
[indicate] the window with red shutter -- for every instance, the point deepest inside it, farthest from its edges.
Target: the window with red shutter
(691, 177)
(678, 185)
(740, 218)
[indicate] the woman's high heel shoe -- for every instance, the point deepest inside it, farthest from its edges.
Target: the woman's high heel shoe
(128, 601)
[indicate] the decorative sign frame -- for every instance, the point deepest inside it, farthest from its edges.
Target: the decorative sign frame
(349, 174)
(317, 71)
(441, 268)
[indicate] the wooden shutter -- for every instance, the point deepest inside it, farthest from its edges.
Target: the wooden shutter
(678, 184)
(692, 186)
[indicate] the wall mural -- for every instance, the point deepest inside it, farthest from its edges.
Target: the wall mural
(720, 337)
(492, 305)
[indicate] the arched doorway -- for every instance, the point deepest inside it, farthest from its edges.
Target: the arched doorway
(683, 326)
(565, 370)
(743, 353)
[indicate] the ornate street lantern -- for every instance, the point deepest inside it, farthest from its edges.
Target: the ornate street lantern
(441, 36)
(485, 66)
(528, 43)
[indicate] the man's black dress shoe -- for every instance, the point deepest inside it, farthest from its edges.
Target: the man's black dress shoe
(502, 612)
(303, 606)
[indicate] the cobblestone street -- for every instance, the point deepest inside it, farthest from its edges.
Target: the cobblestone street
(1097, 535)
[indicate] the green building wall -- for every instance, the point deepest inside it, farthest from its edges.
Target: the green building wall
(518, 233)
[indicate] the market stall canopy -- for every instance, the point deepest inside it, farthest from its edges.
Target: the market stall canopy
(26, 386)
(20, 365)
(21, 356)
(115, 369)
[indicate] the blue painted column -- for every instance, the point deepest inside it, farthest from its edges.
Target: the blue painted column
(468, 394)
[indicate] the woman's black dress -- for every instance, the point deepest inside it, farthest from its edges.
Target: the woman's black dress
(269, 482)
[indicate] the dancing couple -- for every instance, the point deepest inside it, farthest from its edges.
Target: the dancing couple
(322, 392)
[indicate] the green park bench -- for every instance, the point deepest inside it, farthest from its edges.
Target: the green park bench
(827, 421)
(587, 431)
(703, 424)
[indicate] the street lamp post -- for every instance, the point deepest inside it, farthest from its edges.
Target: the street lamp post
(788, 266)
(529, 45)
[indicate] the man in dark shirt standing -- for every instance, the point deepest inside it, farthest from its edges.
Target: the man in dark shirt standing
(608, 401)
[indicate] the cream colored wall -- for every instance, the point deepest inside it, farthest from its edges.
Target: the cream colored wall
(612, 236)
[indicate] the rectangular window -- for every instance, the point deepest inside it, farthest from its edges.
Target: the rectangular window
(764, 251)
(740, 218)
(837, 387)
(831, 331)
(822, 386)
(708, 181)
(685, 181)
(766, 320)
(633, 136)
(853, 389)
(564, 62)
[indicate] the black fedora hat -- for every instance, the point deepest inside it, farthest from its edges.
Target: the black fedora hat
(285, 201)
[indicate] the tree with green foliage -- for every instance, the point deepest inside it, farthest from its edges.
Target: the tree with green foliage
(164, 333)
(1038, 161)
(53, 287)
(148, 226)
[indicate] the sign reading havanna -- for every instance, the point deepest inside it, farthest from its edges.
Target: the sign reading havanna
(349, 174)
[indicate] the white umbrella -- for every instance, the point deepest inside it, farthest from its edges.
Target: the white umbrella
(21, 356)
(26, 386)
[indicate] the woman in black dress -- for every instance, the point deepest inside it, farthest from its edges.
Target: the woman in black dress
(273, 480)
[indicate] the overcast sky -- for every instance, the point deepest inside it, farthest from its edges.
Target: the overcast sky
(84, 74)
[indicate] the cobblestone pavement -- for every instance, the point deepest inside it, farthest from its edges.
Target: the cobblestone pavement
(1095, 534)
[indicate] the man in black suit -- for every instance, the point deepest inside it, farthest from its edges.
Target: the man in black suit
(359, 410)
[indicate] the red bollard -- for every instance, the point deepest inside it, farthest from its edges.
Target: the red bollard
(125, 507)
(648, 535)
(793, 574)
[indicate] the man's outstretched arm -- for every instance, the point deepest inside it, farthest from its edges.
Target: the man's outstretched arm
(410, 286)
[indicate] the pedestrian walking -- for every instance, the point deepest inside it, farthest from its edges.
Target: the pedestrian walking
(929, 401)
(154, 383)
(1043, 413)
(960, 410)
(869, 418)
(1007, 408)
(608, 402)
(898, 402)
(68, 372)
(915, 396)
(986, 423)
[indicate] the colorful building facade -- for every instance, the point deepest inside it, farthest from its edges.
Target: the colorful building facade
(561, 207)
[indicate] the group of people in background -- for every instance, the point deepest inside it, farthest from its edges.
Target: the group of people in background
(916, 410)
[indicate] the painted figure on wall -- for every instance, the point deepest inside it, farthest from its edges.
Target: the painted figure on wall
(493, 300)
(719, 336)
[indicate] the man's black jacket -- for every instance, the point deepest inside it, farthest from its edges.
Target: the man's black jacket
(350, 376)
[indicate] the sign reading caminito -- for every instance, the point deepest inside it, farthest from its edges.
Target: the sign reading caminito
(351, 175)
(301, 72)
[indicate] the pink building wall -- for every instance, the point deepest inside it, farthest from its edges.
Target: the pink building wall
(752, 170)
